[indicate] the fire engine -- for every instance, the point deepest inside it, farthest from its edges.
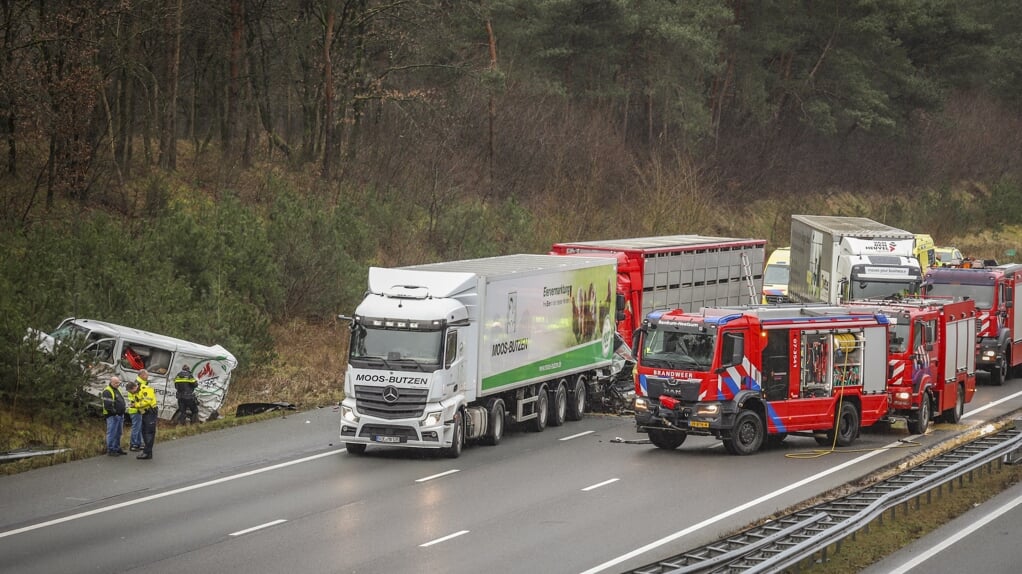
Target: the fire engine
(755, 374)
(931, 357)
(997, 294)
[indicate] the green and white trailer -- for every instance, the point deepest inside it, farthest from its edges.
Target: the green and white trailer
(446, 353)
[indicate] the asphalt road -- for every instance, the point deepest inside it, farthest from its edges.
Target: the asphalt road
(281, 495)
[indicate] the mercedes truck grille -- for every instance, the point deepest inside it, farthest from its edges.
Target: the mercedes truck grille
(391, 402)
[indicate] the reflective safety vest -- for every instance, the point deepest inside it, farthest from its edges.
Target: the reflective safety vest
(142, 384)
(115, 401)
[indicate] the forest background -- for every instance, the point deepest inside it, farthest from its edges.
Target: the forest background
(226, 172)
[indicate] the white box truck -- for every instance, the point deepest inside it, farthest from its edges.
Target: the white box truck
(836, 259)
(444, 353)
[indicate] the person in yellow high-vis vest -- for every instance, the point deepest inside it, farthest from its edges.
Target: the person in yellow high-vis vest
(143, 398)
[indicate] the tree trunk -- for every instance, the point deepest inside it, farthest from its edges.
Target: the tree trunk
(233, 88)
(168, 140)
(328, 93)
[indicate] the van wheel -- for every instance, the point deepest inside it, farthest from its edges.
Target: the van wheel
(560, 404)
(454, 451)
(921, 422)
(496, 430)
(542, 406)
(577, 404)
(355, 448)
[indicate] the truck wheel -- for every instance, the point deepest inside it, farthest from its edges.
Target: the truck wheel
(355, 448)
(667, 440)
(999, 372)
(847, 424)
(577, 404)
(748, 433)
(559, 397)
(496, 430)
(454, 451)
(954, 414)
(542, 410)
(921, 422)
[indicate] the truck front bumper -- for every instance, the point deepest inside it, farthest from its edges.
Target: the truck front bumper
(708, 419)
(428, 432)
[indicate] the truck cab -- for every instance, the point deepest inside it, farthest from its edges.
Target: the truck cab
(875, 269)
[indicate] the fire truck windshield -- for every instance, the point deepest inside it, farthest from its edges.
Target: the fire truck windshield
(898, 337)
(675, 350)
(983, 295)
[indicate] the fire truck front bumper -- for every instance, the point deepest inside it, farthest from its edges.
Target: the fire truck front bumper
(697, 418)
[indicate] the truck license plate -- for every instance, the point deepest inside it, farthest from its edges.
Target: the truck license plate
(388, 439)
(699, 424)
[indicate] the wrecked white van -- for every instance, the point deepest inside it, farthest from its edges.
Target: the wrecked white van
(115, 349)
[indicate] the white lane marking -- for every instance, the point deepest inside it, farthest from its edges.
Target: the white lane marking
(443, 539)
(993, 404)
(577, 435)
(958, 536)
(144, 499)
(260, 527)
(599, 484)
(431, 477)
(733, 511)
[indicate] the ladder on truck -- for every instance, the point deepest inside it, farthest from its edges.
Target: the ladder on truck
(747, 270)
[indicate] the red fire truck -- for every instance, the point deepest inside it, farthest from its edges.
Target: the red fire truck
(677, 272)
(997, 294)
(931, 357)
(749, 375)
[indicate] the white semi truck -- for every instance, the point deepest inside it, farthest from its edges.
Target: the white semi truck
(444, 353)
(836, 259)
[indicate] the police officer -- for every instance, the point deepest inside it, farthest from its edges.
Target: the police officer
(143, 398)
(113, 410)
(187, 403)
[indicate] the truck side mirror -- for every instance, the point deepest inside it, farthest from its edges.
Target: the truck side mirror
(619, 311)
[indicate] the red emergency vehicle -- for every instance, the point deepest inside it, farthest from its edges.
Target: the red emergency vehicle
(677, 272)
(748, 375)
(997, 294)
(931, 357)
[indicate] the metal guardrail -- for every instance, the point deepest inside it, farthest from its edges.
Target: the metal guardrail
(792, 539)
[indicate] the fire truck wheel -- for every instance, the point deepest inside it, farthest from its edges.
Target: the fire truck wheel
(577, 404)
(954, 414)
(458, 440)
(496, 420)
(559, 398)
(848, 426)
(999, 373)
(542, 410)
(748, 433)
(667, 440)
(921, 422)
(355, 448)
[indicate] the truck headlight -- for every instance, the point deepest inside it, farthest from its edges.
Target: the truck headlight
(903, 396)
(988, 354)
(432, 419)
(348, 414)
(708, 410)
(641, 404)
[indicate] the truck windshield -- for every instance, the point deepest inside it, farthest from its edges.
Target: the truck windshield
(983, 295)
(878, 289)
(899, 338)
(674, 350)
(396, 349)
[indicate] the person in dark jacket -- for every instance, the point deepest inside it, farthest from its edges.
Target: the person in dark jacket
(187, 402)
(113, 410)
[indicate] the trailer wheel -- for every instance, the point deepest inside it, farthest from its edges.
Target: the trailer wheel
(748, 433)
(848, 426)
(954, 414)
(542, 410)
(921, 422)
(355, 448)
(577, 404)
(667, 440)
(454, 451)
(496, 430)
(559, 396)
